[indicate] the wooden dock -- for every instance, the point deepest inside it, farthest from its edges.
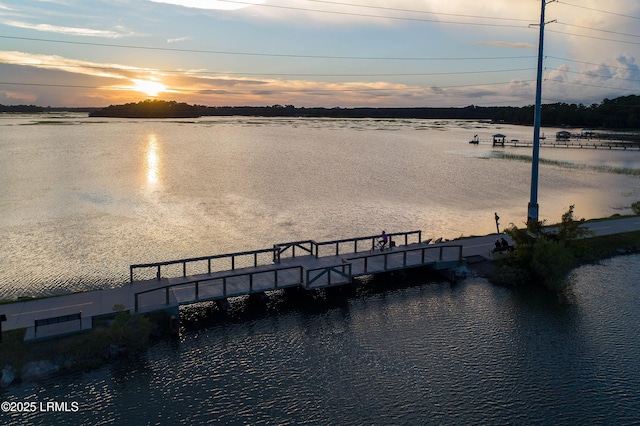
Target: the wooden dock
(305, 264)
(564, 143)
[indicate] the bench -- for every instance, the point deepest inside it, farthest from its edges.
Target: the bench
(56, 326)
(502, 249)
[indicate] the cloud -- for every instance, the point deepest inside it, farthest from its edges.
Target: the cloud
(74, 31)
(211, 4)
(178, 39)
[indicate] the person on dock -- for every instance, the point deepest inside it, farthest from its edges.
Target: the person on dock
(503, 242)
(384, 239)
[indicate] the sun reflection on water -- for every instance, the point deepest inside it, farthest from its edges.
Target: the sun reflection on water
(153, 160)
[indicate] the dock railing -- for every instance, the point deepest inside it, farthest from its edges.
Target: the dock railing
(206, 264)
(197, 284)
(254, 258)
(418, 256)
(343, 246)
(308, 247)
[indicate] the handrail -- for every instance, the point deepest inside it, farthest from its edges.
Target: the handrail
(278, 249)
(422, 250)
(184, 262)
(224, 279)
(327, 270)
(372, 238)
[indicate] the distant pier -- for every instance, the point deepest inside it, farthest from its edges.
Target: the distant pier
(569, 141)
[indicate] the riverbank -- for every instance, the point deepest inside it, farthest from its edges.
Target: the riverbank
(596, 248)
(119, 336)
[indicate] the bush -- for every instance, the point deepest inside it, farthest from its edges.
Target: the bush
(131, 332)
(551, 262)
(636, 207)
(547, 256)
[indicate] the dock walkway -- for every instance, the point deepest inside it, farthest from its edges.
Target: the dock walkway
(305, 264)
(563, 143)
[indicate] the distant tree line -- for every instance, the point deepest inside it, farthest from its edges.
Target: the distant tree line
(33, 109)
(619, 113)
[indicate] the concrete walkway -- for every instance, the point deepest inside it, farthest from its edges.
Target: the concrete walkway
(23, 314)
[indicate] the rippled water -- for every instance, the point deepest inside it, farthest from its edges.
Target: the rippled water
(407, 349)
(82, 199)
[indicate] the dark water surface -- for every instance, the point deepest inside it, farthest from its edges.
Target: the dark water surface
(406, 349)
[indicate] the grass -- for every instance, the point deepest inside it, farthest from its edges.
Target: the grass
(566, 164)
(607, 245)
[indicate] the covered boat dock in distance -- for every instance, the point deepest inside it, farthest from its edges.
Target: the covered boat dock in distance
(499, 139)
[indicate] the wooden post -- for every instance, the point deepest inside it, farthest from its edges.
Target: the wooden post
(3, 318)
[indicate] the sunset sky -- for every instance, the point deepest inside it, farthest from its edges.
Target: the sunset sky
(375, 53)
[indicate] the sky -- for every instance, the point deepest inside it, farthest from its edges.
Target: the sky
(316, 53)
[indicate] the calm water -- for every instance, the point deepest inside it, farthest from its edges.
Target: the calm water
(82, 198)
(410, 350)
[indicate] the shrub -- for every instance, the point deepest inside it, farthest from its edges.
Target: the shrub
(547, 256)
(131, 331)
(636, 207)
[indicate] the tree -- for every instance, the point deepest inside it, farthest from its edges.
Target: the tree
(545, 255)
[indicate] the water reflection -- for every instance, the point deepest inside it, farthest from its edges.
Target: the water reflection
(153, 160)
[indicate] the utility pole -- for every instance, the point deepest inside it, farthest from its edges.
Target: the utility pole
(532, 215)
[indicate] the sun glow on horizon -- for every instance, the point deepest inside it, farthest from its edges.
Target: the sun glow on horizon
(148, 87)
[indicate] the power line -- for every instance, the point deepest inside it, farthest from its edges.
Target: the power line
(596, 75)
(596, 29)
(224, 73)
(593, 85)
(313, 90)
(414, 11)
(281, 55)
(592, 37)
(587, 63)
(598, 10)
(379, 16)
